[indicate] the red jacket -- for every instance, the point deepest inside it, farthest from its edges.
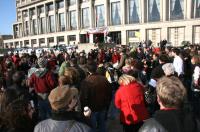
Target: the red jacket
(115, 58)
(130, 100)
(44, 83)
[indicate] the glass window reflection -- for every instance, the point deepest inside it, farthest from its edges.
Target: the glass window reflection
(61, 22)
(100, 20)
(197, 13)
(154, 10)
(115, 13)
(134, 11)
(73, 23)
(176, 9)
(85, 18)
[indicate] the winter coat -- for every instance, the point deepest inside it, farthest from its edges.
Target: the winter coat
(61, 122)
(171, 121)
(43, 81)
(130, 100)
(115, 58)
(95, 92)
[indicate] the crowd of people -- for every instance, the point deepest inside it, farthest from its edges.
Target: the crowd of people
(154, 89)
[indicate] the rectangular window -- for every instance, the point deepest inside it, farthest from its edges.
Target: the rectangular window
(196, 34)
(100, 17)
(115, 13)
(25, 13)
(154, 35)
(32, 12)
(51, 24)
(176, 36)
(176, 9)
(60, 4)
(42, 25)
(50, 7)
(61, 22)
(61, 39)
(41, 9)
(72, 2)
(51, 40)
(85, 18)
(154, 10)
(26, 28)
(195, 8)
(72, 37)
(73, 23)
(134, 11)
(34, 26)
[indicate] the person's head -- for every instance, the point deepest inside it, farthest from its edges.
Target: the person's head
(42, 62)
(73, 62)
(163, 58)
(126, 79)
(195, 59)
(63, 99)
(168, 69)
(155, 56)
(18, 77)
(72, 75)
(170, 92)
(128, 61)
(16, 110)
(64, 80)
(176, 52)
(91, 66)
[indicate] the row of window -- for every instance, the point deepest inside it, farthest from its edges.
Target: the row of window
(176, 10)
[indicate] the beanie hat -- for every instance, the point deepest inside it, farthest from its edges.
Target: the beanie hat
(61, 97)
(168, 69)
(42, 62)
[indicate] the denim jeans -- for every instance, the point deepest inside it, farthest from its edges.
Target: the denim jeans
(98, 120)
(44, 109)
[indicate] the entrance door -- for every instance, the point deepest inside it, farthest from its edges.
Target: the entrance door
(99, 37)
(115, 37)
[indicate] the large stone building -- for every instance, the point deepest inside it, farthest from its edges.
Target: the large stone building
(46, 23)
(3, 38)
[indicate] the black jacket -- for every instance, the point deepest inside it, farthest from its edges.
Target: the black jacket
(171, 121)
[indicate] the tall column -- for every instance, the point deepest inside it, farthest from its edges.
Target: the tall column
(65, 14)
(188, 33)
(55, 16)
(144, 10)
(185, 9)
(189, 10)
(123, 36)
(107, 12)
(91, 14)
(46, 20)
(123, 12)
(78, 14)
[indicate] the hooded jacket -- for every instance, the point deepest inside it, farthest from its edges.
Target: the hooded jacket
(43, 81)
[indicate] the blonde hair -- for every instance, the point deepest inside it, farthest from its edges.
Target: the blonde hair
(73, 75)
(171, 92)
(126, 79)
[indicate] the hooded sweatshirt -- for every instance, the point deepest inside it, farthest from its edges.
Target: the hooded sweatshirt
(42, 80)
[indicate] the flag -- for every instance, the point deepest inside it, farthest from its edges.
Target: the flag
(137, 34)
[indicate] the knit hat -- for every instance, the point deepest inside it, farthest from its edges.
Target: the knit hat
(61, 97)
(42, 62)
(168, 69)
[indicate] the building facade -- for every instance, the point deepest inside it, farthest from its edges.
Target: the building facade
(44, 23)
(3, 38)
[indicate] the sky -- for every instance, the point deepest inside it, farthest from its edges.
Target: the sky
(7, 16)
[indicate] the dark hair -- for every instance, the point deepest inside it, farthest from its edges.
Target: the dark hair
(18, 77)
(91, 66)
(164, 58)
(176, 51)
